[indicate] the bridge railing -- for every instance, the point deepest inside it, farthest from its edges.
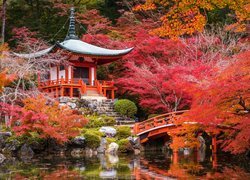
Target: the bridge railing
(156, 121)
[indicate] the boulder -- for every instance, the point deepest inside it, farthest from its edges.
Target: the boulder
(102, 147)
(78, 141)
(3, 137)
(2, 158)
(63, 99)
(71, 105)
(135, 142)
(11, 147)
(112, 148)
(26, 152)
(108, 131)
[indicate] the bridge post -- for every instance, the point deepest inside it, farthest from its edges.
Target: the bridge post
(214, 145)
(175, 156)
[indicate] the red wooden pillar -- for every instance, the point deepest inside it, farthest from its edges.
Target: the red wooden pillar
(105, 92)
(71, 91)
(57, 92)
(62, 91)
(113, 94)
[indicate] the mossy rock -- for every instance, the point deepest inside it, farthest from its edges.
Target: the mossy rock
(92, 140)
(123, 132)
(124, 146)
(110, 140)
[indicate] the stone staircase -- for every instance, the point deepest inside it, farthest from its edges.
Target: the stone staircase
(106, 107)
(93, 94)
(97, 103)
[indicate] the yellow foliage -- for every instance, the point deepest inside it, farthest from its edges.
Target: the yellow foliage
(185, 16)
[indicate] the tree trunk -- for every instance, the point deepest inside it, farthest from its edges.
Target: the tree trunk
(3, 19)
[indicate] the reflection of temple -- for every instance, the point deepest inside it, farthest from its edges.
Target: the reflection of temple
(79, 78)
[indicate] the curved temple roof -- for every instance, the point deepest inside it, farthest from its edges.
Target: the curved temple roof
(36, 54)
(79, 47)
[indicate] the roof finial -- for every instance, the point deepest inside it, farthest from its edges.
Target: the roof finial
(72, 29)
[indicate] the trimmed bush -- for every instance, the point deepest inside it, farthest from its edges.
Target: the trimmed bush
(123, 132)
(92, 140)
(124, 146)
(126, 107)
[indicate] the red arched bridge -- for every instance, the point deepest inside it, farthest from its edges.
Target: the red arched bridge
(160, 127)
(157, 126)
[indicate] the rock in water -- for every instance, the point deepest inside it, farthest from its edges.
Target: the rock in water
(113, 148)
(108, 131)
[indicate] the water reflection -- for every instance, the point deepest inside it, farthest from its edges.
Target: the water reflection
(155, 165)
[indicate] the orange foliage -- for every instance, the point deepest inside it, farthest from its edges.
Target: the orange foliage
(4, 80)
(187, 17)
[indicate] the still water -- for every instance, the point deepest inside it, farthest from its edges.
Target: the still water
(154, 165)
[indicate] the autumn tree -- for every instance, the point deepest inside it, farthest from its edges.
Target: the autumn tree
(225, 103)
(182, 17)
(49, 121)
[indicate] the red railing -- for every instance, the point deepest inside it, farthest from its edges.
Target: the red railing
(157, 121)
(83, 88)
(99, 86)
(107, 83)
(58, 82)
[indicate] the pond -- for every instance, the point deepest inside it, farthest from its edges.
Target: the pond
(151, 165)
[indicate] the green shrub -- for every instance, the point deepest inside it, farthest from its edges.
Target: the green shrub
(124, 146)
(92, 140)
(99, 121)
(110, 140)
(126, 107)
(123, 132)
(108, 121)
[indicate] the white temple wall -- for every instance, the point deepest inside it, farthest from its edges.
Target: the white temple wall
(62, 74)
(53, 73)
(70, 73)
(92, 75)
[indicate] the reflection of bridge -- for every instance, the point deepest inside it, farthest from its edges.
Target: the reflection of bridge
(148, 170)
(160, 126)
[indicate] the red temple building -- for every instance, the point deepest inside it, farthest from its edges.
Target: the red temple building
(79, 78)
